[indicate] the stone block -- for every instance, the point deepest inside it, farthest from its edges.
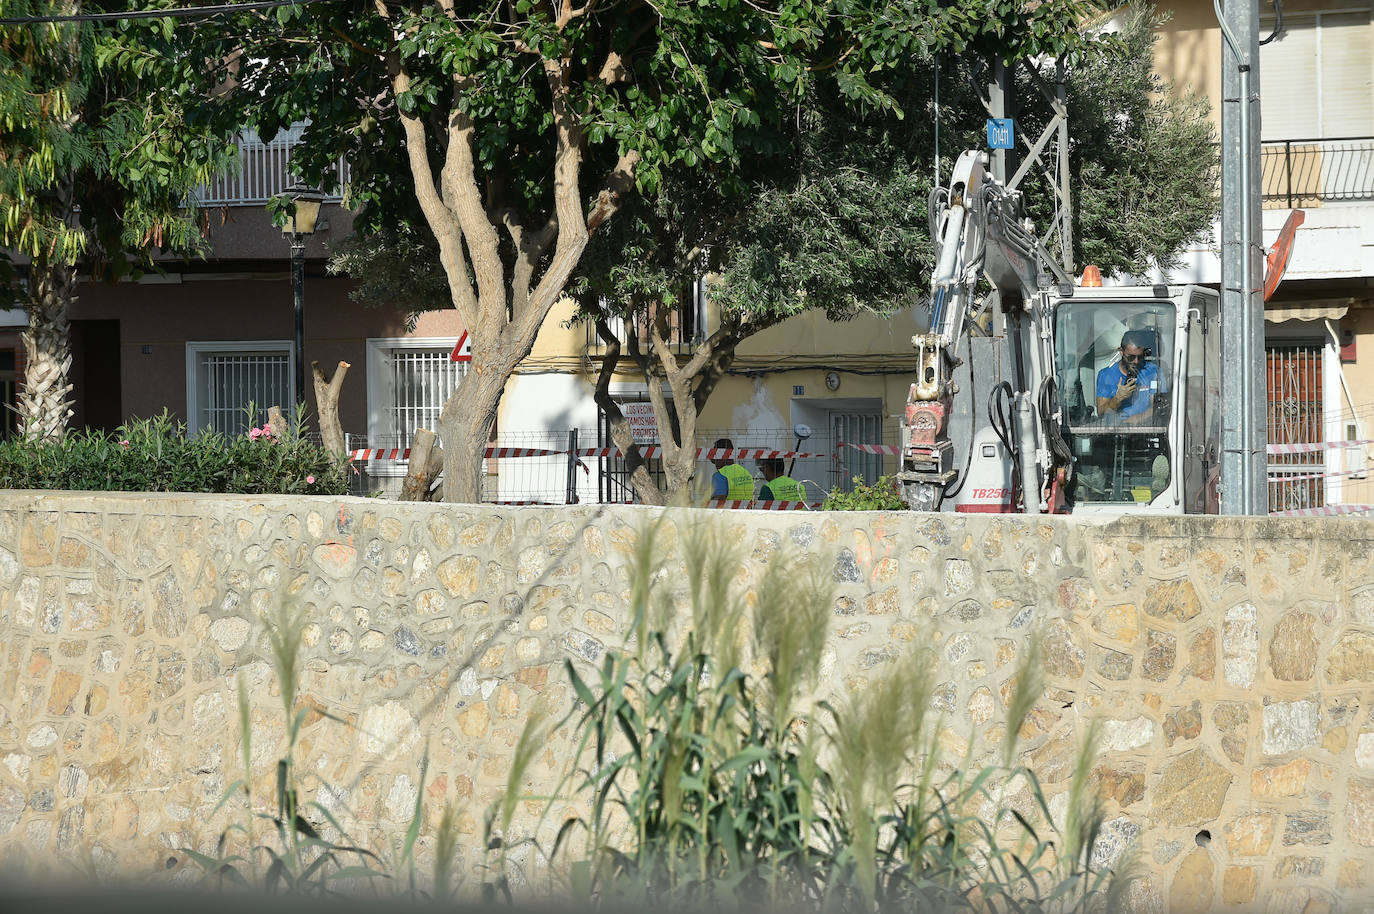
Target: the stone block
(1306, 827)
(1290, 725)
(1175, 600)
(1250, 835)
(1183, 723)
(1293, 648)
(1238, 885)
(1240, 645)
(1124, 735)
(1288, 780)
(1115, 665)
(1123, 784)
(1351, 658)
(1063, 653)
(1161, 649)
(1202, 655)
(1191, 790)
(1359, 812)
(1299, 867)
(1192, 890)
(1120, 622)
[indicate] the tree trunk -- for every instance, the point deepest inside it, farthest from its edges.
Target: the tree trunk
(465, 427)
(44, 405)
(415, 487)
(641, 482)
(327, 407)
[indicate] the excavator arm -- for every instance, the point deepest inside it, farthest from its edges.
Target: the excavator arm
(978, 230)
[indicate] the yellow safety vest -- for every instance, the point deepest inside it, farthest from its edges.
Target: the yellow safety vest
(741, 483)
(785, 488)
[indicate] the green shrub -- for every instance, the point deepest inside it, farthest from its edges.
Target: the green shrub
(156, 455)
(710, 782)
(881, 496)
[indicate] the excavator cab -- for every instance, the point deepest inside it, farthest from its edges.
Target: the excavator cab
(1131, 365)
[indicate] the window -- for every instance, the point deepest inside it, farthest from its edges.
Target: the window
(223, 378)
(855, 428)
(408, 383)
(1114, 364)
(1319, 81)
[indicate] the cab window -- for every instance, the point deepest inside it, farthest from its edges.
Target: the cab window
(1113, 361)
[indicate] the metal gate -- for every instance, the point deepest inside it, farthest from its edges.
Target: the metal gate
(1295, 417)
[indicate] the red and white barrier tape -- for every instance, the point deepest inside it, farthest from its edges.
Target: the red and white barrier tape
(744, 504)
(1282, 477)
(1323, 511)
(374, 453)
(650, 451)
(1308, 447)
(890, 450)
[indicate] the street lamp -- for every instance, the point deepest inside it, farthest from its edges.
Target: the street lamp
(303, 212)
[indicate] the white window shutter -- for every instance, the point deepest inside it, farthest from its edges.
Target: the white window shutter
(1347, 75)
(1289, 85)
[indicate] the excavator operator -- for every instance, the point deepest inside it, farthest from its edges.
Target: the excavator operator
(1127, 387)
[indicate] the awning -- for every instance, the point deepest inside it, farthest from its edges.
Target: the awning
(1328, 309)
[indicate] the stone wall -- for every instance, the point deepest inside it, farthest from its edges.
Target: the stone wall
(1231, 662)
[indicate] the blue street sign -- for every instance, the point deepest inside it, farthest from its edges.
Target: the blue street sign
(1001, 133)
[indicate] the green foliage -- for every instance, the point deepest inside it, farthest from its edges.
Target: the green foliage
(707, 89)
(102, 134)
(882, 495)
(156, 455)
(1144, 160)
(394, 268)
(707, 780)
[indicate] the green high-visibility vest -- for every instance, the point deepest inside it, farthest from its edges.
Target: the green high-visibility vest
(785, 488)
(741, 483)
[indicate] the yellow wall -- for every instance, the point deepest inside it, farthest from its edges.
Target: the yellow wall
(760, 389)
(1359, 376)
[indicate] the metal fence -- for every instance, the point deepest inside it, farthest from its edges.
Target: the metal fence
(263, 172)
(524, 479)
(1295, 173)
(545, 467)
(835, 470)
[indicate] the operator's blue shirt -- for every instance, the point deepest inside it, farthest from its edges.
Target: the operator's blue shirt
(1147, 384)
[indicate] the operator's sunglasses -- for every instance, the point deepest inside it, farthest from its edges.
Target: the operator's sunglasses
(1136, 358)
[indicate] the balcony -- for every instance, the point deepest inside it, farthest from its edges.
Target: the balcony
(263, 172)
(1311, 173)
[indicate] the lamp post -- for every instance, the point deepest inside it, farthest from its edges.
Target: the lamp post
(303, 212)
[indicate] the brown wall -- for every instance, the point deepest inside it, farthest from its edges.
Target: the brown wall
(257, 306)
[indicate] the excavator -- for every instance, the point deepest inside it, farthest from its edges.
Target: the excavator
(1109, 401)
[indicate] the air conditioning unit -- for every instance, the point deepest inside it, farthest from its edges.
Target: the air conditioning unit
(1355, 460)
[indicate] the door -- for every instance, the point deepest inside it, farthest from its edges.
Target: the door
(1295, 417)
(96, 400)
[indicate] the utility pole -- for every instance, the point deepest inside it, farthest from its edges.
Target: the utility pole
(1244, 434)
(998, 91)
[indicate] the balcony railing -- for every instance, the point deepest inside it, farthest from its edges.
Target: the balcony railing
(1305, 173)
(263, 172)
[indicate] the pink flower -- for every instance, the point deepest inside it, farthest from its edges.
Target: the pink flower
(310, 480)
(124, 443)
(255, 433)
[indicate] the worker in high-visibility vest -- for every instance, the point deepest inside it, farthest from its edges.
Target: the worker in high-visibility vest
(778, 486)
(730, 480)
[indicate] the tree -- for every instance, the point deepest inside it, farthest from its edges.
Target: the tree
(99, 144)
(512, 131)
(839, 228)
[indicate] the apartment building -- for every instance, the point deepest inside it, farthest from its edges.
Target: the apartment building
(1316, 85)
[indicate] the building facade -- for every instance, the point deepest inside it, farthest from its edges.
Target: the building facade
(1316, 88)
